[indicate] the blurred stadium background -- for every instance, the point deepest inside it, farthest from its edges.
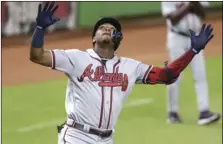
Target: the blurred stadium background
(33, 96)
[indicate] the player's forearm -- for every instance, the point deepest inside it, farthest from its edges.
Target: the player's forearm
(37, 53)
(161, 75)
(36, 48)
(177, 66)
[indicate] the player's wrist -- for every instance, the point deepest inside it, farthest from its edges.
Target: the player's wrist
(37, 38)
(194, 51)
(39, 27)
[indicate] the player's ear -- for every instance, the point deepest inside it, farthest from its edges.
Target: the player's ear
(93, 40)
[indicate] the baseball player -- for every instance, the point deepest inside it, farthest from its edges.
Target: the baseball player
(99, 81)
(180, 17)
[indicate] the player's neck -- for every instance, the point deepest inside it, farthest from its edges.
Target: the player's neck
(105, 52)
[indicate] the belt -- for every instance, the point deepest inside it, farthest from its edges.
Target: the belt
(180, 33)
(88, 129)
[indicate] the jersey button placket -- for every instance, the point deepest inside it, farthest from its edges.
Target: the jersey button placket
(105, 100)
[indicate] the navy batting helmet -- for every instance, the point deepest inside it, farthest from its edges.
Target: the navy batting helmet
(111, 21)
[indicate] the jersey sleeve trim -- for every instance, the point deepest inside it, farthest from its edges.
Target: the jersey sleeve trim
(147, 73)
(53, 59)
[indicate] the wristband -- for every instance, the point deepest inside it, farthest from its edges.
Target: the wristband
(194, 50)
(38, 38)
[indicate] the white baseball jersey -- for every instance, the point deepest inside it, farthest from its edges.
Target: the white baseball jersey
(96, 93)
(189, 21)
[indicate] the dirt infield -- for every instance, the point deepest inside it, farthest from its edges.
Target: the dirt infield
(145, 44)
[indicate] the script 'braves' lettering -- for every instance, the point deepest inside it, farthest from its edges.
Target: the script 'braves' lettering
(105, 79)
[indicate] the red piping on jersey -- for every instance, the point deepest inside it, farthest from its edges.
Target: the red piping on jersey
(102, 98)
(97, 60)
(53, 62)
(111, 96)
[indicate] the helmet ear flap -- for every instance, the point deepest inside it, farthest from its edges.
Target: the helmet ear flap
(117, 38)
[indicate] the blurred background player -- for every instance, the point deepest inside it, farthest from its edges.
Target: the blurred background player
(180, 17)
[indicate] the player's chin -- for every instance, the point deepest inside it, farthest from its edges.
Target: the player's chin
(106, 40)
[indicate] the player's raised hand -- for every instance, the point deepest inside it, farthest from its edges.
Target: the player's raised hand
(200, 41)
(45, 16)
